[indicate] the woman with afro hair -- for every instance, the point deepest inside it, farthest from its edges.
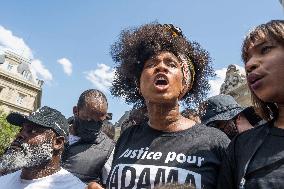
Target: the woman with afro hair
(157, 67)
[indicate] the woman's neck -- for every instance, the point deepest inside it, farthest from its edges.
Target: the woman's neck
(166, 117)
(280, 119)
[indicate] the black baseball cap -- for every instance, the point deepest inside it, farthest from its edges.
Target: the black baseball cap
(45, 117)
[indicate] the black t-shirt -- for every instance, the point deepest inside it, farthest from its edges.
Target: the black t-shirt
(145, 157)
(271, 150)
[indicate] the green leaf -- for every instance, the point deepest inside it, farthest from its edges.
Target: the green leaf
(8, 132)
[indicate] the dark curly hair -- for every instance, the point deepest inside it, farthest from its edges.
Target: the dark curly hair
(273, 29)
(136, 45)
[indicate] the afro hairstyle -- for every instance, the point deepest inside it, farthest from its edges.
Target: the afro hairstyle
(136, 45)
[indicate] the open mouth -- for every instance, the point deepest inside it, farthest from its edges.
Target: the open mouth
(161, 80)
(254, 80)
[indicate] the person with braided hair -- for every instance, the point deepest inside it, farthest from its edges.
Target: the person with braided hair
(158, 67)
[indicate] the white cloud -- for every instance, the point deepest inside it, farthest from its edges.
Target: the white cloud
(16, 44)
(39, 70)
(66, 65)
(101, 77)
(217, 82)
(8, 41)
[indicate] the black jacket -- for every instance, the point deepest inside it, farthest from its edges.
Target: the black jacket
(86, 160)
(238, 156)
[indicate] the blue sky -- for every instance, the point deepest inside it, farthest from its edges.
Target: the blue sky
(69, 41)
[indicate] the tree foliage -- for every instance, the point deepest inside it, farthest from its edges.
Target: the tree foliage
(7, 132)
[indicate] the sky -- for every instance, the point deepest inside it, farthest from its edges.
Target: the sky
(68, 41)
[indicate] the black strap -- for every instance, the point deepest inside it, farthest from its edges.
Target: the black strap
(261, 137)
(265, 169)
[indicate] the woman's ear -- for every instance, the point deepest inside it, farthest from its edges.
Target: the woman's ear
(182, 91)
(75, 110)
(139, 91)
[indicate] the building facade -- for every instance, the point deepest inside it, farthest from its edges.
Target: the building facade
(20, 91)
(235, 84)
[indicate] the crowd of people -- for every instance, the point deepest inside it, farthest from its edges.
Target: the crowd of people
(213, 143)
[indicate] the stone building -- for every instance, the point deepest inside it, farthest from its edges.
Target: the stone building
(19, 90)
(235, 84)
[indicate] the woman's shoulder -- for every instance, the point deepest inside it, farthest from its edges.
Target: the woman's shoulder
(204, 128)
(210, 131)
(214, 137)
(131, 131)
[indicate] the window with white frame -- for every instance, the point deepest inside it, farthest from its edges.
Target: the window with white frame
(26, 74)
(10, 67)
(20, 99)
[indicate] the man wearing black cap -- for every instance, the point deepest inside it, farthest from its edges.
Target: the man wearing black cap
(36, 152)
(224, 113)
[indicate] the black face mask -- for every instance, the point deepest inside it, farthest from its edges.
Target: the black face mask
(87, 130)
